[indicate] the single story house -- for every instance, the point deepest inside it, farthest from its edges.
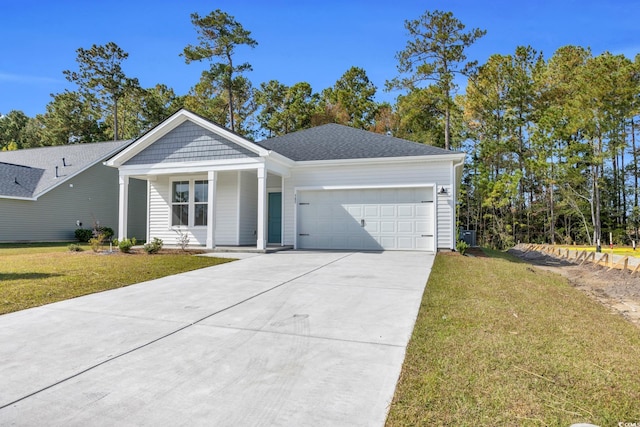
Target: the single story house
(328, 187)
(47, 193)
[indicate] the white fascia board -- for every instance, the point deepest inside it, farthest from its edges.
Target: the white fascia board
(378, 160)
(30, 199)
(173, 122)
(278, 167)
(193, 167)
(277, 157)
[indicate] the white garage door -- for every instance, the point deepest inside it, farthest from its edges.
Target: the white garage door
(366, 219)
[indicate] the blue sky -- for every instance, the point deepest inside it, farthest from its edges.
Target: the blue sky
(297, 40)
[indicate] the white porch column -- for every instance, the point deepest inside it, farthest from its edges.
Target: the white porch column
(123, 206)
(211, 210)
(261, 242)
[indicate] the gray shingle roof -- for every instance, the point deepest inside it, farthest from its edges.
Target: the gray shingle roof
(31, 172)
(335, 142)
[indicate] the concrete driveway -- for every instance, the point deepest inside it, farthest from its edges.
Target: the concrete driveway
(291, 338)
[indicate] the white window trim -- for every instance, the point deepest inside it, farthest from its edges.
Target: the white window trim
(192, 204)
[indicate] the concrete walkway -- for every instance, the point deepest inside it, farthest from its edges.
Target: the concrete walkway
(291, 338)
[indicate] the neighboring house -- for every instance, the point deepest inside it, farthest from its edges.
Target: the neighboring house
(46, 192)
(329, 187)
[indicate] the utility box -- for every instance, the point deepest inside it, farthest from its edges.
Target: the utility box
(468, 236)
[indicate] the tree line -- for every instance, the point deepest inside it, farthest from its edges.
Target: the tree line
(551, 142)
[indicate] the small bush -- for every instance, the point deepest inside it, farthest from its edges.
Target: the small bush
(125, 245)
(96, 242)
(154, 246)
(183, 239)
(74, 248)
(83, 234)
(107, 232)
(462, 247)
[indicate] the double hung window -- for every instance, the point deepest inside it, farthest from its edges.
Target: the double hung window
(189, 203)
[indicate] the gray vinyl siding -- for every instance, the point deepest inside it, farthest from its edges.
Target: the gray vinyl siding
(187, 143)
(438, 173)
(89, 197)
(137, 217)
(248, 208)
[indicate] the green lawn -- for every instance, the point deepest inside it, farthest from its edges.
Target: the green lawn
(37, 274)
(499, 343)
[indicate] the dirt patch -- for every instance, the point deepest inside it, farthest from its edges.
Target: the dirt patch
(476, 252)
(616, 289)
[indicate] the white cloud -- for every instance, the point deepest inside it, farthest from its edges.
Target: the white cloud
(25, 79)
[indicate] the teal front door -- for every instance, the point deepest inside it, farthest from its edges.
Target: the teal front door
(275, 218)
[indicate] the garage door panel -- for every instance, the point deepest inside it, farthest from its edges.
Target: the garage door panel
(388, 211)
(406, 227)
(366, 219)
(424, 210)
(372, 227)
(406, 243)
(371, 211)
(387, 226)
(355, 211)
(406, 211)
(423, 227)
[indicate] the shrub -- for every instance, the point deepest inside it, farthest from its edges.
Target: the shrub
(74, 248)
(183, 239)
(154, 246)
(125, 245)
(462, 247)
(96, 242)
(83, 234)
(107, 232)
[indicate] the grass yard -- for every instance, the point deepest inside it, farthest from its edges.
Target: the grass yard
(37, 274)
(500, 343)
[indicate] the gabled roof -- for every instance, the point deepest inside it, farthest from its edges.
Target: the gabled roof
(173, 122)
(338, 142)
(31, 172)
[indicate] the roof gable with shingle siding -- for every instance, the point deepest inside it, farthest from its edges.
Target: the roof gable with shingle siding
(338, 142)
(189, 142)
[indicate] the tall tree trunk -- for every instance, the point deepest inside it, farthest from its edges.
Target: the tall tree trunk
(115, 119)
(616, 187)
(596, 191)
(230, 92)
(552, 220)
(447, 126)
(623, 190)
(635, 163)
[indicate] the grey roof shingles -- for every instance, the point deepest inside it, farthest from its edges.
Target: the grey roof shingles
(338, 142)
(30, 172)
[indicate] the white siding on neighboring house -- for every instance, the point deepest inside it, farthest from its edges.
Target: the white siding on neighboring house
(375, 175)
(248, 204)
(88, 197)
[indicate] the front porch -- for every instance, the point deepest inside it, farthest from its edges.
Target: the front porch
(221, 210)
